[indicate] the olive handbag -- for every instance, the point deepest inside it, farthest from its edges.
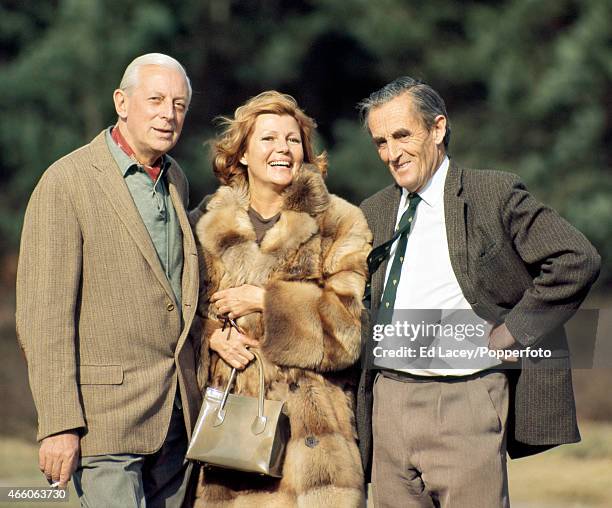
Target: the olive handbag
(240, 432)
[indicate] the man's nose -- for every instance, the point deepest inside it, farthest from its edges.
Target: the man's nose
(393, 150)
(168, 110)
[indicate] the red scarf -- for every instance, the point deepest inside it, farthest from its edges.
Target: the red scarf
(153, 171)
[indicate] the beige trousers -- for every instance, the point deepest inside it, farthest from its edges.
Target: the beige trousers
(440, 443)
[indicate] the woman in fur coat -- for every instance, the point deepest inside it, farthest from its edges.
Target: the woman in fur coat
(287, 261)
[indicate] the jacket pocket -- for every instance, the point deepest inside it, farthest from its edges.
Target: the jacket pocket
(100, 375)
(489, 251)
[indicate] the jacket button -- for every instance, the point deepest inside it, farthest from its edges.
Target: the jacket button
(311, 441)
(293, 387)
(170, 307)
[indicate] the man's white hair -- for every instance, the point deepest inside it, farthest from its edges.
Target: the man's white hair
(130, 76)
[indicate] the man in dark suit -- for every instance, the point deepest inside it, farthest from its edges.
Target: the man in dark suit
(447, 237)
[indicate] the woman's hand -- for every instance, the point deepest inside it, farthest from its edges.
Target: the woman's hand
(239, 301)
(231, 346)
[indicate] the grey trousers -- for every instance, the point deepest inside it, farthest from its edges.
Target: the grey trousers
(127, 480)
(440, 443)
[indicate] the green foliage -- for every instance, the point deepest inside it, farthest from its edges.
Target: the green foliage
(527, 84)
(355, 169)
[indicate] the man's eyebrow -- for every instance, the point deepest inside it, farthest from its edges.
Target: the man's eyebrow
(155, 93)
(400, 133)
(378, 140)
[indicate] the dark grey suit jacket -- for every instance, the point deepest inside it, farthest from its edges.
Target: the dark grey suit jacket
(517, 261)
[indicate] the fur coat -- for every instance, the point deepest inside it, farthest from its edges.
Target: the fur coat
(312, 264)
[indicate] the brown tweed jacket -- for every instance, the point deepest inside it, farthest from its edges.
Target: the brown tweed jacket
(516, 261)
(96, 317)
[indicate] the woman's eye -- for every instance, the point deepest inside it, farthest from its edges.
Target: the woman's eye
(296, 141)
(267, 138)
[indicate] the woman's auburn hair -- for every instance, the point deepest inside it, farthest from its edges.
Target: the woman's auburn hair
(229, 147)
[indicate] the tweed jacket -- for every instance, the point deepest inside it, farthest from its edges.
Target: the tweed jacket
(312, 264)
(104, 339)
(516, 261)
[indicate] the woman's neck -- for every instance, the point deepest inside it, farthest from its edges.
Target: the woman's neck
(266, 201)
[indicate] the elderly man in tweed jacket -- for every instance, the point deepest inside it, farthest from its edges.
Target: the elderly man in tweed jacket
(455, 238)
(106, 293)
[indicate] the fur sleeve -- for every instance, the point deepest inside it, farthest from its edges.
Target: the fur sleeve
(316, 324)
(202, 331)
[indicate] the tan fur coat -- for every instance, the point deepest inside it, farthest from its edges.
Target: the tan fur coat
(312, 264)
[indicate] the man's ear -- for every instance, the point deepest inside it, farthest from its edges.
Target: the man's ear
(439, 129)
(120, 98)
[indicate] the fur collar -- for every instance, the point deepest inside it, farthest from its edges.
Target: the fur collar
(226, 223)
(307, 193)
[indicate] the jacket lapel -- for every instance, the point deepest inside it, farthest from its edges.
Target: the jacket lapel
(456, 228)
(382, 228)
(116, 191)
(190, 257)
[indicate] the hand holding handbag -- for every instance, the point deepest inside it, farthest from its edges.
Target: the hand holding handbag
(240, 432)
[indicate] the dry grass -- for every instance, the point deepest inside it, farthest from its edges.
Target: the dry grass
(574, 476)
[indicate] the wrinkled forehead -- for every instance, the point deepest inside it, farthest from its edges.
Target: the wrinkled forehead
(161, 78)
(399, 112)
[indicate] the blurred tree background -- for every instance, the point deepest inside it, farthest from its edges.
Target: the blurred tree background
(527, 85)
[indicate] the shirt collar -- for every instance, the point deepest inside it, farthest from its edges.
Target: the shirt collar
(125, 162)
(433, 192)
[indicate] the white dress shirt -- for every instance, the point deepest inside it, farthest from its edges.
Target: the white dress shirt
(427, 279)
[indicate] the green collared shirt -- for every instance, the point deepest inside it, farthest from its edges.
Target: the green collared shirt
(152, 200)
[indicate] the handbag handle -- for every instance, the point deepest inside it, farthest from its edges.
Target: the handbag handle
(259, 423)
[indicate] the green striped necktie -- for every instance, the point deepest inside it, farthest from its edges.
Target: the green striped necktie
(380, 253)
